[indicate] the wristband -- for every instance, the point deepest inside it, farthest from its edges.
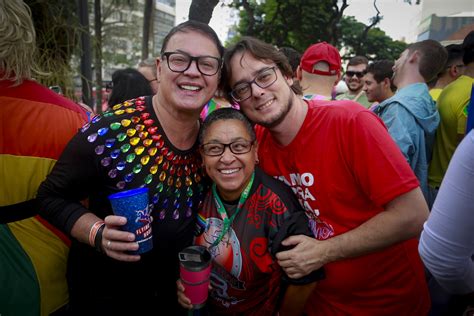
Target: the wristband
(93, 232)
(98, 239)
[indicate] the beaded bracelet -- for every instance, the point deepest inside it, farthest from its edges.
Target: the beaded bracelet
(93, 232)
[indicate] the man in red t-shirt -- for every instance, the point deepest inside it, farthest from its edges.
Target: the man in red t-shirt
(364, 200)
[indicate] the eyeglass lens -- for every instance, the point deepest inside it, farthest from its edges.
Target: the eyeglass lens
(180, 62)
(217, 149)
(264, 79)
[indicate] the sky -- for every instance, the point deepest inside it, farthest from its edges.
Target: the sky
(400, 20)
(221, 17)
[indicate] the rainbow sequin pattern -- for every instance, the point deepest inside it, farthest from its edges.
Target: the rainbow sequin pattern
(134, 153)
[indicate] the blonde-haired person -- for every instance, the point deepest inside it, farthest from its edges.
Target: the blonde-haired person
(36, 125)
(17, 42)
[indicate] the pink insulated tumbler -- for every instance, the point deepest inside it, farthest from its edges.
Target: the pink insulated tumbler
(195, 271)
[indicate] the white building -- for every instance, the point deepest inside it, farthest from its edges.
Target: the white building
(123, 32)
(163, 21)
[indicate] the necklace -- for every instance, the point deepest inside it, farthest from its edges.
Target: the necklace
(223, 213)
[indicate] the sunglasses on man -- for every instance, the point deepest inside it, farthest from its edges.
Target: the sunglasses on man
(358, 74)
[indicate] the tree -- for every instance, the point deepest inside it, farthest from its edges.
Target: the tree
(86, 59)
(302, 23)
(363, 40)
(201, 10)
(59, 33)
(147, 18)
(112, 18)
(288, 23)
(377, 44)
(122, 38)
(335, 19)
(57, 37)
(248, 19)
(98, 55)
(413, 2)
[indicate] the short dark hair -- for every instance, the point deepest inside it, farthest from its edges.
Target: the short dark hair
(382, 69)
(226, 114)
(259, 50)
(468, 48)
(455, 52)
(293, 57)
(433, 58)
(358, 60)
(196, 26)
(128, 84)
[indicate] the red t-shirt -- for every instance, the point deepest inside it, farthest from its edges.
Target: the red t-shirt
(344, 167)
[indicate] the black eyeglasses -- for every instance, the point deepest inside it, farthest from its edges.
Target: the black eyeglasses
(358, 74)
(264, 79)
(154, 79)
(237, 147)
(180, 62)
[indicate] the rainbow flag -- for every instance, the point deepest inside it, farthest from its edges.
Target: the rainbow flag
(36, 125)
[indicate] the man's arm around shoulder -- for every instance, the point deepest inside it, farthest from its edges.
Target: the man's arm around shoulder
(402, 219)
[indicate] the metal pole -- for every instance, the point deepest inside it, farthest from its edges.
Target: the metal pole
(86, 56)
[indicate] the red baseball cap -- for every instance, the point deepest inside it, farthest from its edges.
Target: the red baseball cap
(321, 52)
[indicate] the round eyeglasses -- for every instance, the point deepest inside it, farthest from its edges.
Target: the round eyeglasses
(180, 62)
(265, 78)
(237, 147)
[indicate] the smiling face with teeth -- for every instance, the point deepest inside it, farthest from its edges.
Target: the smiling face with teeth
(189, 90)
(230, 172)
(268, 106)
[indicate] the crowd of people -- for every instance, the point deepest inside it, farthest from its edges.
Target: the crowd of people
(311, 201)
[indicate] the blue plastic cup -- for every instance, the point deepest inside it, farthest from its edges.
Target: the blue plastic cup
(133, 204)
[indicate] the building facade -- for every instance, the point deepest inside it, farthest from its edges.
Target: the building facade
(446, 21)
(123, 32)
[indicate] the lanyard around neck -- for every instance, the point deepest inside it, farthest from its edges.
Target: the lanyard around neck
(223, 213)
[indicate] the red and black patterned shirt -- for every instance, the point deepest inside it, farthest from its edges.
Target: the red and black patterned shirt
(246, 277)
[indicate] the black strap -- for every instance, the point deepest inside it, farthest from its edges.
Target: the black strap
(15, 212)
(98, 239)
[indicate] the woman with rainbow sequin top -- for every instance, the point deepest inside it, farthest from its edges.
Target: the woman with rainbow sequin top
(148, 142)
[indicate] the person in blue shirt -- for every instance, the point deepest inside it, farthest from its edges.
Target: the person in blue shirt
(411, 115)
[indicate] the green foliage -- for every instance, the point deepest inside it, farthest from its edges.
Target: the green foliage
(377, 45)
(57, 35)
(287, 23)
(121, 34)
(302, 23)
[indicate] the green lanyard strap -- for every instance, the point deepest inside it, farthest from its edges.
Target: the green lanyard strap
(223, 213)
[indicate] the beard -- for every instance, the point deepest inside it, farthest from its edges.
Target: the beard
(280, 116)
(357, 87)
